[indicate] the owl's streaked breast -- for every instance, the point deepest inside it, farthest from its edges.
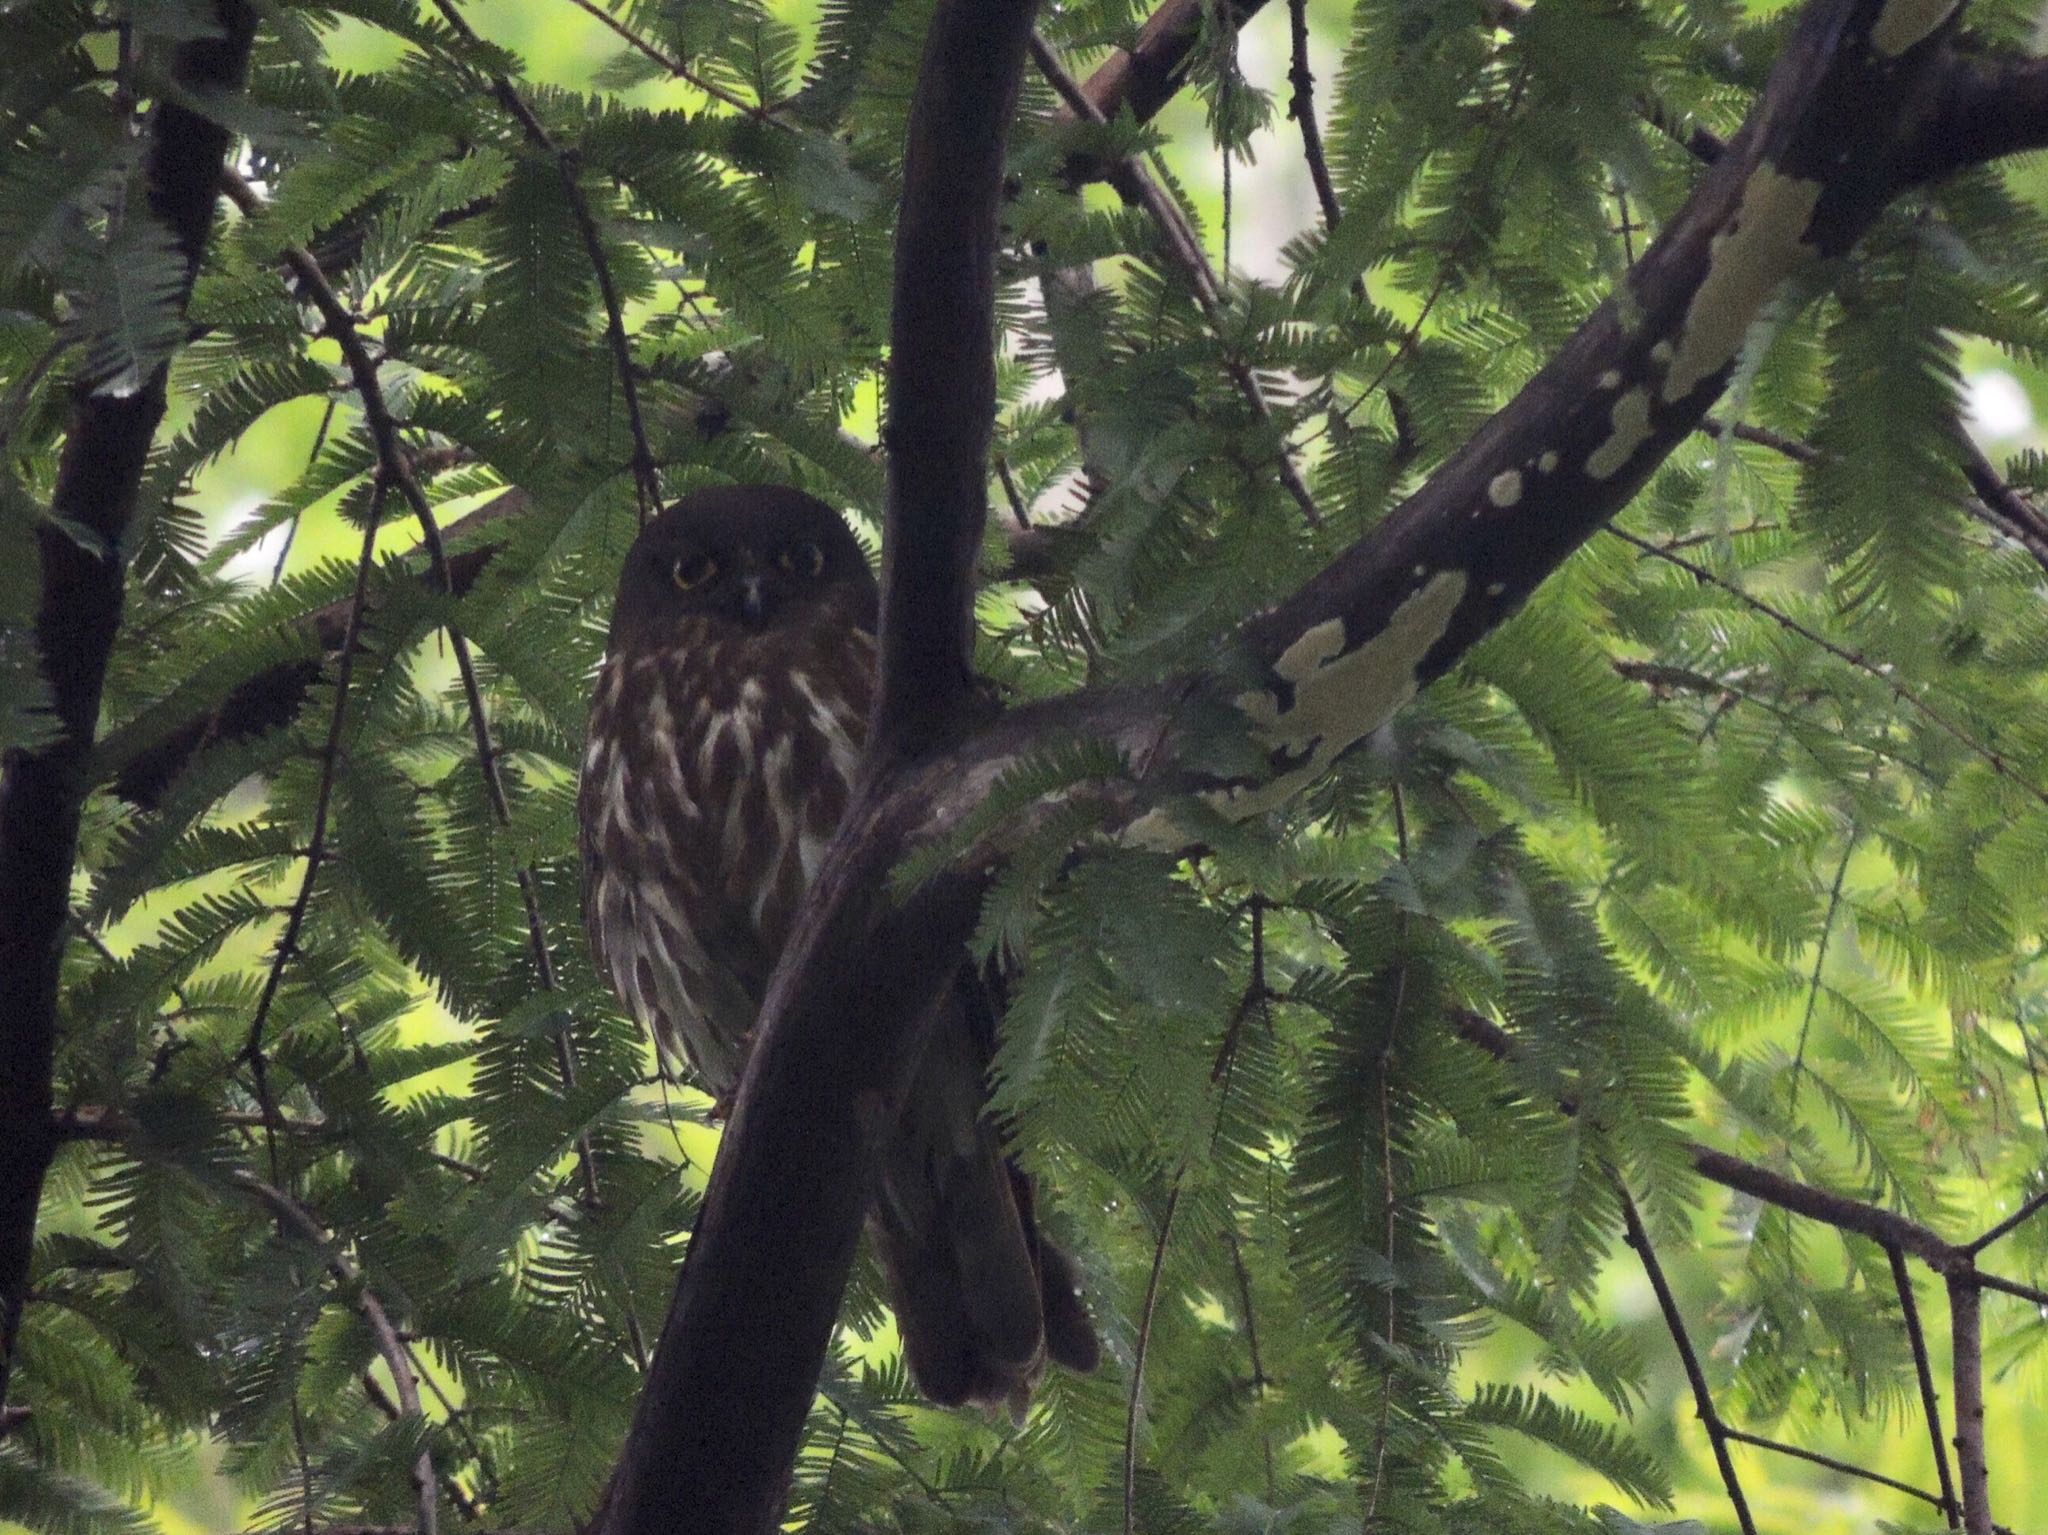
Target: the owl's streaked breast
(716, 772)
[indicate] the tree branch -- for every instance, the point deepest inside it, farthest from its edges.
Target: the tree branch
(646, 482)
(1990, 105)
(107, 440)
(316, 846)
(1966, 1335)
(1992, 758)
(1923, 1369)
(144, 772)
(942, 373)
(1301, 106)
(395, 467)
(1145, 76)
(722, 1412)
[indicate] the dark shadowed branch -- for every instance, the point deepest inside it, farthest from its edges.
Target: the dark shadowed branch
(941, 386)
(1990, 106)
(1966, 1346)
(1145, 76)
(107, 440)
(1301, 106)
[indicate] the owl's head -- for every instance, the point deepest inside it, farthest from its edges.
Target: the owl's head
(747, 559)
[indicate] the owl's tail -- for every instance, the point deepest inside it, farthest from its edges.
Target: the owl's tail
(981, 1299)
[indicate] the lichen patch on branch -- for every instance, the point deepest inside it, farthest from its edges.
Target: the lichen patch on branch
(1902, 23)
(1341, 695)
(1630, 419)
(1760, 247)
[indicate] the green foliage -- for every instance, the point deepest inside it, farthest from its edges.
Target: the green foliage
(1747, 854)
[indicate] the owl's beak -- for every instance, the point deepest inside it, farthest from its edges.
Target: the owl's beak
(750, 601)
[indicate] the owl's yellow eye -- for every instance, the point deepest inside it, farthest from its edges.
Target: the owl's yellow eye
(805, 559)
(693, 570)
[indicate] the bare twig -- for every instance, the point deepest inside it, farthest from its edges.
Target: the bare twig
(1674, 1321)
(392, 1349)
(646, 481)
(1301, 106)
(760, 112)
(2024, 1213)
(1814, 1457)
(1820, 959)
(1178, 239)
(1138, 1359)
(1991, 757)
(1260, 1380)
(2012, 1287)
(1923, 1368)
(316, 845)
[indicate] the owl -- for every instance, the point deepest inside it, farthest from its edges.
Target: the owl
(725, 731)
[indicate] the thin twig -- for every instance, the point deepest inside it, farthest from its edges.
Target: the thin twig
(2013, 1287)
(316, 846)
(1178, 239)
(2024, 1213)
(2001, 505)
(1814, 1457)
(295, 1215)
(1930, 1403)
(1138, 1360)
(1996, 504)
(1674, 1321)
(760, 112)
(1820, 959)
(646, 481)
(1992, 758)
(1388, 1202)
(1251, 1332)
(1301, 106)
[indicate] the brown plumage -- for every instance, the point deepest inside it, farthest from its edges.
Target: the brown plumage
(724, 734)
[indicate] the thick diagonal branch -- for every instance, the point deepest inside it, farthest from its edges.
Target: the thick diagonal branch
(106, 446)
